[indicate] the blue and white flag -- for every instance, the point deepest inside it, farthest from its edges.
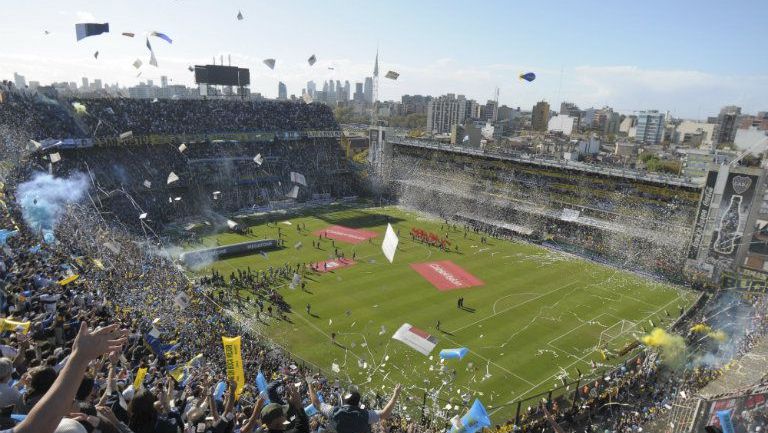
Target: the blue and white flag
(162, 36)
(475, 419)
(457, 353)
(725, 420)
(261, 384)
(83, 30)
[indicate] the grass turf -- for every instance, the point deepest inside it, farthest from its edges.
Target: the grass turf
(538, 314)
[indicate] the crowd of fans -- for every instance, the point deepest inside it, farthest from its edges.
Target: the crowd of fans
(36, 114)
(213, 175)
(108, 117)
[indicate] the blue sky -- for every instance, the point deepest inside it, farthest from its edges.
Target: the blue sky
(689, 57)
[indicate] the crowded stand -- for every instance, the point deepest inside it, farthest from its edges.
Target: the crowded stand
(112, 116)
(629, 223)
(131, 176)
(36, 115)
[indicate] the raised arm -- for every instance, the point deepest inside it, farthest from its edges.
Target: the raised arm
(56, 403)
(387, 411)
(253, 421)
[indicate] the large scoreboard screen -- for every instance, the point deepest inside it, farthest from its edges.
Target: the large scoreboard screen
(222, 75)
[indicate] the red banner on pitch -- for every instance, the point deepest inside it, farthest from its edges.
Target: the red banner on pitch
(446, 275)
(346, 234)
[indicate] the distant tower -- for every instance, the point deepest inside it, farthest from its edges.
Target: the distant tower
(375, 89)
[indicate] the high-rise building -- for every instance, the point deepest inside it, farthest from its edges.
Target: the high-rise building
(570, 109)
(85, 87)
(97, 84)
(163, 81)
(344, 93)
(311, 88)
(446, 111)
(282, 91)
(415, 104)
(540, 116)
(368, 90)
(359, 95)
(490, 111)
(19, 81)
(727, 124)
(650, 127)
(614, 121)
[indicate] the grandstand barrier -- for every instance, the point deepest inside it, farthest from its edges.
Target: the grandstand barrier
(198, 257)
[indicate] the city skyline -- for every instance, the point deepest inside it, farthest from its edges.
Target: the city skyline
(647, 64)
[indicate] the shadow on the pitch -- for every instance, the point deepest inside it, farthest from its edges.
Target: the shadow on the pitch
(468, 309)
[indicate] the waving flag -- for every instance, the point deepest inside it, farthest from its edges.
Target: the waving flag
(311, 60)
(528, 76)
(162, 36)
(392, 75)
(181, 372)
(152, 58)
(159, 348)
(475, 419)
(415, 338)
(270, 63)
(14, 326)
(298, 178)
(84, 30)
(389, 246)
(261, 384)
(457, 353)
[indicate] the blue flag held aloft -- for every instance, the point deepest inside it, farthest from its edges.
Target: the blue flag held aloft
(457, 353)
(220, 388)
(5, 234)
(310, 410)
(261, 383)
(475, 419)
(159, 348)
(725, 420)
(83, 30)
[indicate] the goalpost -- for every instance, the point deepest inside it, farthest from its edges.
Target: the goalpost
(613, 334)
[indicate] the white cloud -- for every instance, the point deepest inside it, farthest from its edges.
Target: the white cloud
(85, 17)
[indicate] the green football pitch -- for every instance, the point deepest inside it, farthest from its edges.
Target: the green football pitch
(538, 315)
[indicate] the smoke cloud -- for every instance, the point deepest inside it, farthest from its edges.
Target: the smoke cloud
(44, 197)
(671, 346)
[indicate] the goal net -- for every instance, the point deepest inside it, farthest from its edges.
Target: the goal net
(616, 335)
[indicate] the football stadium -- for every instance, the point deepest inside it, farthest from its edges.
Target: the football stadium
(229, 263)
